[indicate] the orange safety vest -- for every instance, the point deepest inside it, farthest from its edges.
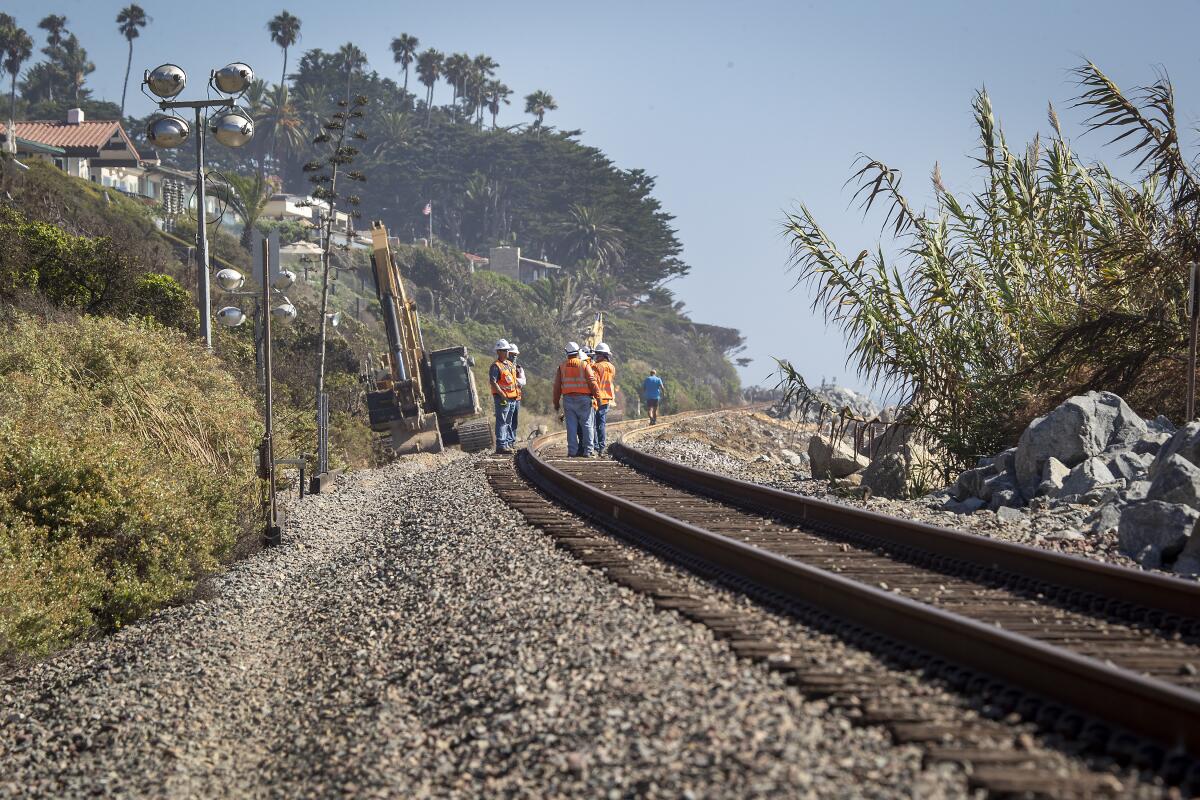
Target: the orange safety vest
(516, 374)
(573, 376)
(605, 372)
(507, 380)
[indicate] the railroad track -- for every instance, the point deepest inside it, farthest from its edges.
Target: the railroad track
(1104, 658)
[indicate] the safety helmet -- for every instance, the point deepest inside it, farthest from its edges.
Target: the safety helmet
(571, 348)
(513, 350)
(502, 344)
(603, 348)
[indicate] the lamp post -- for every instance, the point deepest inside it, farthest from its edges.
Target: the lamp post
(231, 281)
(230, 126)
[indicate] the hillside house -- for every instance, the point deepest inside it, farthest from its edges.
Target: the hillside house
(508, 261)
(102, 152)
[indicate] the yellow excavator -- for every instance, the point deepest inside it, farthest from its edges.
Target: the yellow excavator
(421, 400)
(594, 334)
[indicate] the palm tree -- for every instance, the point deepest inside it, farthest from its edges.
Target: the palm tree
(538, 104)
(496, 93)
(246, 196)
(391, 135)
(278, 116)
(129, 21)
(455, 71)
(311, 106)
(17, 48)
(75, 64)
(484, 67)
(404, 50)
(285, 32)
(587, 236)
(54, 25)
(429, 69)
(352, 60)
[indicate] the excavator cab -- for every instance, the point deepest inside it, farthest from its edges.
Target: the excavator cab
(454, 384)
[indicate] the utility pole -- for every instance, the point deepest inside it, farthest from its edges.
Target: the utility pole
(271, 530)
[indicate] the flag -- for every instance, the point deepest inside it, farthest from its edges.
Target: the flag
(428, 209)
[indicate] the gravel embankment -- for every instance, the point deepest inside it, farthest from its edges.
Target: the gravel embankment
(734, 443)
(414, 638)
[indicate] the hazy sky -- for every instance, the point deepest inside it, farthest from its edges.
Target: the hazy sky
(740, 108)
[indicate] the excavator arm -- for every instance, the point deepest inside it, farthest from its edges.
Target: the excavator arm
(595, 333)
(399, 401)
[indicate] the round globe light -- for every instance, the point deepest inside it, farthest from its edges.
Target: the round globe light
(166, 81)
(168, 132)
(232, 128)
(231, 316)
(284, 279)
(284, 312)
(233, 78)
(230, 279)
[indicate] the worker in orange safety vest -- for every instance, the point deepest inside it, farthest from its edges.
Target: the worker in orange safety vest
(575, 388)
(606, 377)
(505, 392)
(513, 352)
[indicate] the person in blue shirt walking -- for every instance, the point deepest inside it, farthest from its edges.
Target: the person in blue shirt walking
(654, 392)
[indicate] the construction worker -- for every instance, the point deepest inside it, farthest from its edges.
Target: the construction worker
(606, 375)
(505, 392)
(513, 352)
(654, 392)
(574, 390)
(585, 355)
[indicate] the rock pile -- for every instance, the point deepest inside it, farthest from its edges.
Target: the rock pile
(838, 397)
(1141, 478)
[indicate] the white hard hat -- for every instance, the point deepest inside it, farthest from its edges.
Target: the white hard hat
(513, 349)
(502, 344)
(603, 348)
(572, 347)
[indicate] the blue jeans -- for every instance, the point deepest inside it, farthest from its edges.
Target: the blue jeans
(577, 413)
(504, 429)
(515, 405)
(601, 428)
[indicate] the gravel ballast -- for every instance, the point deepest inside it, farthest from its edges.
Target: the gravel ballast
(412, 637)
(748, 446)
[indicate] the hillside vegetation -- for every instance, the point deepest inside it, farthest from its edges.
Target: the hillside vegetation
(126, 473)
(476, 309)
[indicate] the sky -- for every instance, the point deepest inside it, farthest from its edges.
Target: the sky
(741, 109)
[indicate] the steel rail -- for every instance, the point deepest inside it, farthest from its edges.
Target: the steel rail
(1145, 706)
(1148, 589)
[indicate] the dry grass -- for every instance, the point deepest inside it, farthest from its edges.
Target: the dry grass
(126, 473)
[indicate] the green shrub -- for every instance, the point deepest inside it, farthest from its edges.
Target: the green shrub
(126, 472)
(161, 298)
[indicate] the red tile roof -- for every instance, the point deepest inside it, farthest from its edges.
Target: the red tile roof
(89, 134)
